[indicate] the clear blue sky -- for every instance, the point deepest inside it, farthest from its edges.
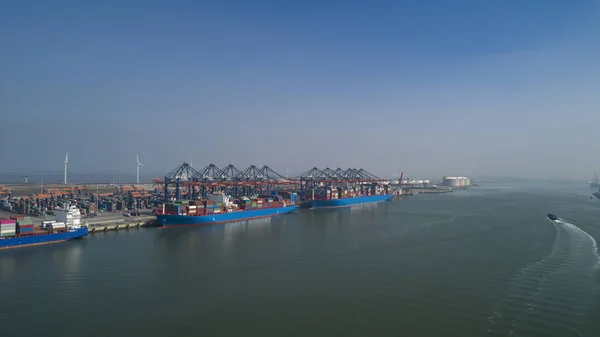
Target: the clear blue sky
(425, 87)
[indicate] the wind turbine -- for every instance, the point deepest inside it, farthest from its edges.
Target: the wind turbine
(66, 163)
(138, 168)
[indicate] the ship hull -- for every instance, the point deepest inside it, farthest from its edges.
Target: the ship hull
(167, 220)
(345, 202)
(35, 240)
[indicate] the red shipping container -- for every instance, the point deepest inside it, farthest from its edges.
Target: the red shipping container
(7, 221)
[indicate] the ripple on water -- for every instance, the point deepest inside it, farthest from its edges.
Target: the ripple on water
(550, 296)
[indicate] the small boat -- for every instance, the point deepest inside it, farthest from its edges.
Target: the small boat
(552, 216)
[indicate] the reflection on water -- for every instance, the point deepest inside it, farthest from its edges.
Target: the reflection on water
(254, 227)
(65, 256)
(8, 266)
(69, 259)
(179, 241)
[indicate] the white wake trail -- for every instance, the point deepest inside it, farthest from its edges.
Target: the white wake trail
(552, 294)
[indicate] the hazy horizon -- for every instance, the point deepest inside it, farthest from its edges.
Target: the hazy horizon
(117, 177)
(429, 89)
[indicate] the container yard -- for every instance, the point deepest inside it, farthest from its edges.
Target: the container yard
(186, 196)
(100, 207)
(5, 192)
(89, 201)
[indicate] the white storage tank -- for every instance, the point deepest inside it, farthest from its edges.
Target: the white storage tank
(451, 181)
(456, 182)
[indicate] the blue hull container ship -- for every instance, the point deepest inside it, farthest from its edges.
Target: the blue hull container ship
(219, 208)
(42, 239)
(20, 231)
(349, 196)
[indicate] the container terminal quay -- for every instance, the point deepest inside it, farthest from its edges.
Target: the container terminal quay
(186, 196)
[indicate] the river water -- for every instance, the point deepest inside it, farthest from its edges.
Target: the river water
(481, 262)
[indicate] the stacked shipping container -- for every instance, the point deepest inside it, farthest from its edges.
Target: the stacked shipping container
(8, 227)
(57, 226)
(24, 225)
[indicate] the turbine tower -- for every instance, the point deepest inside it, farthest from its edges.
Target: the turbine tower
(66, 163)
(137, 180)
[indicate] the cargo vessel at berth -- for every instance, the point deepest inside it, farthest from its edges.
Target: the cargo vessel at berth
(220, 208)
(19, 231)
(349, 196)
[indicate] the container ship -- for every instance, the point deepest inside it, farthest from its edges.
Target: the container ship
(19, 231)
(220, 208)
(349, 196)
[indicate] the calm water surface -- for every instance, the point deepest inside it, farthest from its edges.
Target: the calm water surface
(482, 262)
